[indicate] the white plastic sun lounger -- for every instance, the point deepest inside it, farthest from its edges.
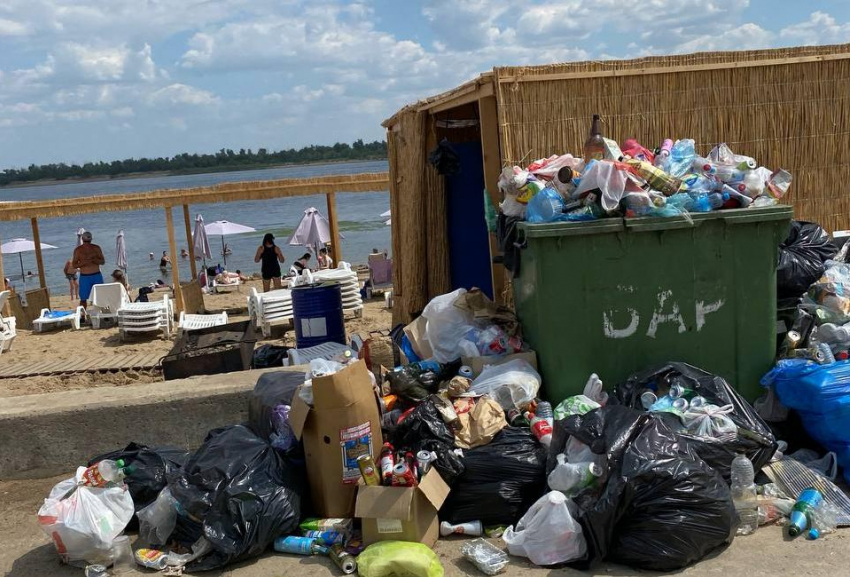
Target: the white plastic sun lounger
(197, 322)
(7, 325)
(146, 317)
(52, 319)
(106, 300)
(270, 309)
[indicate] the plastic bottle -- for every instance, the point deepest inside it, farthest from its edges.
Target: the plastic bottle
(828, 357)
(544, 411)
(681, 157)
(822, 520)
(104, 472)
(647, 399)
(662, 159)
(541, 428)
(744, 494)
(806, 503)
(572, 477)
(742, 199)
(717, 199)
(703, 166)
(470, 529)
(299, 546)
(594, 146)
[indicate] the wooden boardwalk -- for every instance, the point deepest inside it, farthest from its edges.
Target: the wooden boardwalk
(93, 364)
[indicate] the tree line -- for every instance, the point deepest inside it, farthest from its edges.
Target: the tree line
(224, 159)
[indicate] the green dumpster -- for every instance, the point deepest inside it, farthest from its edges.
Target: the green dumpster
(616, 296)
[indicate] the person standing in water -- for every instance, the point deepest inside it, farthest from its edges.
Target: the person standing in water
(163, 262)
(71, 275)
(88, 257)
(270, 255)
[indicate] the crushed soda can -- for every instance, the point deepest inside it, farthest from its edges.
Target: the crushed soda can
(96, 571)
(485, 556)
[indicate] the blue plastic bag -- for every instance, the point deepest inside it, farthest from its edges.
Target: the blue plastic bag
(821, 395)
(545, 206)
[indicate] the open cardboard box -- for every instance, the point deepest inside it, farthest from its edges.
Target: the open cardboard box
(477, 364)
(342, 425)
(402, 513)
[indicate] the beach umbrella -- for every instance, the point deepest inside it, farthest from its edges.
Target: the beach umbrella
(200, 242)
(80, 232)
(121, 253)
(223, 228)
(386, 213)
(389, 222)
(313, 231)
(20, 246)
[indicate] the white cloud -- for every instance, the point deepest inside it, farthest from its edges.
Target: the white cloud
(820, 28)
(745, 37)
(12, 28)
(178, 94)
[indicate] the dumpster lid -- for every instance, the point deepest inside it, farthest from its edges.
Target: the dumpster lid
(730, 216)
(585, 227)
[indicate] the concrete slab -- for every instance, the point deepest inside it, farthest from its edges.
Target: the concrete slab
(48, 434)
(27, 552)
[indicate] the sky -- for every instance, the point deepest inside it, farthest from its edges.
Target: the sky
(90, 80)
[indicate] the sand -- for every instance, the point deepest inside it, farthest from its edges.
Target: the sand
(69, 344)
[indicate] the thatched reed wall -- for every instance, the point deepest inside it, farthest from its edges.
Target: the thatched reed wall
(787, 113)
(418, 203)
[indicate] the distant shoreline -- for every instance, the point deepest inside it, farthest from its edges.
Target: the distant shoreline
(159, 173)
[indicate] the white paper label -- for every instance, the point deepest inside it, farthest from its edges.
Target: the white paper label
(389, 525)
(316, 327)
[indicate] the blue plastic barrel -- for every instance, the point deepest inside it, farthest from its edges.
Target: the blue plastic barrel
(318, 316)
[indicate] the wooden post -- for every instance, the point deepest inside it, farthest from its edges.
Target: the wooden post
(6, 311)
(36, 238)
(189, 239)
(175, 272)
(489, 123)
(336, 249)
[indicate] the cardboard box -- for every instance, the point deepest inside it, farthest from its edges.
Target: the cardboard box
(402, 513)
(477, 363)
(342, 425)
(415, 332)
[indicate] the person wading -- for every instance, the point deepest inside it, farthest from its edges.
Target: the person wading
(87, 258)
(271, 257)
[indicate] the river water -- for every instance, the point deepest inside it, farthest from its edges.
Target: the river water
(144, 230)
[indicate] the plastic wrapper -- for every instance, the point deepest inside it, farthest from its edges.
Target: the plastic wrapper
(546, 169)
(710, 421)
(801, 259)
(447, 325)
(513, 384)
(83, 521)
(821, 396)
(681, 157)
(754, 437)
(244, 492)
(486, 557)
(828, 298)
(150, 467)
(547, 534)
(662, 507)
(272, 390)
(157, 520)
(500, 480)
(610, 180)
(395, 558)
(575, 405)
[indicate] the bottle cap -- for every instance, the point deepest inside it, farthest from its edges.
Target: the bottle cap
(120, 463)
(814, 533)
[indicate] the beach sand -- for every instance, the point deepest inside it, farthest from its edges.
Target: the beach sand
(69, 344)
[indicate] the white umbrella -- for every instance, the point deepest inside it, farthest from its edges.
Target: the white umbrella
(121, 252)
(389, 222)
(386, 214)
(223, 228)
(200, 242)
(19, 246)
(313, 231)
(80, 232)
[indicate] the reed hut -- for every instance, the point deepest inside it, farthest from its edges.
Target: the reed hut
(787, 108)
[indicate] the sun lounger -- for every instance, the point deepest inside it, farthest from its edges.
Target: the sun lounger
(270, 309)
(7, 325)
(349, 285)
(197, 322)
(146, 317)
(218, 286)
(106, 300)
(52, 319)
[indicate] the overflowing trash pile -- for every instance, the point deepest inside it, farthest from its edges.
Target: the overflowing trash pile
(370, 465)
(627, 179)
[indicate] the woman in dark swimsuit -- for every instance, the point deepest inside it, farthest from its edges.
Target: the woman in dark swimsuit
(271, 257)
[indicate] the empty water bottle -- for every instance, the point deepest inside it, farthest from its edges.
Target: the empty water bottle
(807, 502)
(703, 166)
(544, 411)
(826, 351)
(744, 494)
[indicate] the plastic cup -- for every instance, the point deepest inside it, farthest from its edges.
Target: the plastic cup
(122, 556)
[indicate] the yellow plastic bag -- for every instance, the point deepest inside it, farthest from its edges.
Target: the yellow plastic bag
(398, 559)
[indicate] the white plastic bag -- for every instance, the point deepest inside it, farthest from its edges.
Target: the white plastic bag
(608, 178)
(157, 520)
(446, 326)
(513, 384)
(84, 524)
(547, 534)
(710, 421)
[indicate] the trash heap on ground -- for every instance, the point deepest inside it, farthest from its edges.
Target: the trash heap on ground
(371, 465)
(630, 180)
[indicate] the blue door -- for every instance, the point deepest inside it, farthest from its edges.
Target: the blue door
(469, 241)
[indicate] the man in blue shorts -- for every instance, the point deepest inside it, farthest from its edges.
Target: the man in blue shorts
(88, 257)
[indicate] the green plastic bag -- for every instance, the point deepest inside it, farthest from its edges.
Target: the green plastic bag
(398, 559)
(489, 212)
(577, 405)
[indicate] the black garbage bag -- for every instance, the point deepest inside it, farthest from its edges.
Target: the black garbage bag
(244, 493)
(500, 480)
(754, 438)
(424, 430)
(150, 468)
(414, 382)
(269, 356)
(661, 507)
(271, 390)
(445, 159)
(801, 259)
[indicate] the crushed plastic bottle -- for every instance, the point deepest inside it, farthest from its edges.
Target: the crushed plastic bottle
(744, 494)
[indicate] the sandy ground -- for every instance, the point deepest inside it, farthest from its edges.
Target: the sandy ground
(27, 552)
(70, 344)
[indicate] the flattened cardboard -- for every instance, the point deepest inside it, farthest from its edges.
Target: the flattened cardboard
(343, 424)
(415, 332)
(402, 514)
(477, 363)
